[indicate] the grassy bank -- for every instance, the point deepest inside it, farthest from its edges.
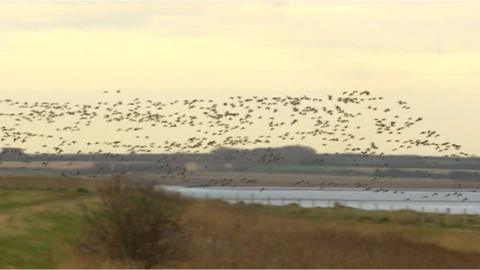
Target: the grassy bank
(39, 229)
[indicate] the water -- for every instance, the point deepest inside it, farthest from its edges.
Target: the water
(455, 201)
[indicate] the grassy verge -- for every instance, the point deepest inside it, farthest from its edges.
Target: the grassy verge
(38, 227)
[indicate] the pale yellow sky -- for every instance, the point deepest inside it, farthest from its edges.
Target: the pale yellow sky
(425, 52)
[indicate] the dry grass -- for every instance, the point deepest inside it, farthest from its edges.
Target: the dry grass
(459, 240)
(243, 236)
(227, 236)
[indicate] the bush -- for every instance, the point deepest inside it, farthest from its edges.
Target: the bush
(383, 220)
(337, 204)
(134, 224)
(83, 190)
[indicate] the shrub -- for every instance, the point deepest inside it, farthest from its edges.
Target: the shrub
(337, 204)
(383, 220)
(133, 224)
(83, 190)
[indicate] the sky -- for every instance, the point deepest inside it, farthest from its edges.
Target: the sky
(425, 52)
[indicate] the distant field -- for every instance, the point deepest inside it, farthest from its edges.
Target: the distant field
(311, 180)
(39, 228)
(49, 165)
(48, 182)
(314, 169)
(262, 175)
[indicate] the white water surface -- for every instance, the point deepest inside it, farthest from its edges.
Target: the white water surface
(455, 201)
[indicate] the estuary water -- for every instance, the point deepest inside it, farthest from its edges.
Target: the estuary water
(455, 201)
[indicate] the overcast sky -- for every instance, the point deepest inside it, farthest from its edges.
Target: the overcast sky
(427, 53)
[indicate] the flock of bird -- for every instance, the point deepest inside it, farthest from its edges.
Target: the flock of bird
(354, 122)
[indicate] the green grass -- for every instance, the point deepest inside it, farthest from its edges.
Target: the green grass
(37, 227)
(42, 242)
(399, 217)
(16, 199)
